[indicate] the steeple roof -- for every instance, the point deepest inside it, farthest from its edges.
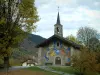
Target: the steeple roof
(58, 19)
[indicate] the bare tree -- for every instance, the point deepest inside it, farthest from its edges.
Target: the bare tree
(85, 34)
(94, 44)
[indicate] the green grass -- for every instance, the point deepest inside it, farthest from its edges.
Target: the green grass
(98, 73)
(69, 70)
(34, 69)
(41, 70)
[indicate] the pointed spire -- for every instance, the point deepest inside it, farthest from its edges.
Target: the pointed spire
(58, 17)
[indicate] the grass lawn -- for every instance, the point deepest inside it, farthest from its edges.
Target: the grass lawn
(29, 71)
(68, 69)
(40, 70)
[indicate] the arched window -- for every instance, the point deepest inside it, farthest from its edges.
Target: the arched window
(57, 29)
(57, 43)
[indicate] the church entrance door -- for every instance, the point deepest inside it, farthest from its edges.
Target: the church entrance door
(58, 61)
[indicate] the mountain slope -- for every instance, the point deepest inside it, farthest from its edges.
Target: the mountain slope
(36, 38)
(27, 48)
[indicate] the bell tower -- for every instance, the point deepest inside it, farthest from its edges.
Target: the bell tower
(58, 28)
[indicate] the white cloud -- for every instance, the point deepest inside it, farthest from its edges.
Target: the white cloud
(97, 3)
(65, 2)
(49, 33)
(73, 14)
(68, 32)
(90, 13)
(45, 34)
(92, 16)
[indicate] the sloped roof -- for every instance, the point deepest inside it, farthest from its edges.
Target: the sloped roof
(58, 19)
(56, 37)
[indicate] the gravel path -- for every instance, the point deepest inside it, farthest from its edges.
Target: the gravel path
(51, 70)
(17, 67)
(14, 68)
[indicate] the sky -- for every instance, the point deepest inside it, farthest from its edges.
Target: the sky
(73, 15)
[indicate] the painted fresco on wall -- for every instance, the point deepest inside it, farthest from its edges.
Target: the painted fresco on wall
(63, 52)
(45, 56)
(47, 49)
(68, 55)
(68, 60)
(57, 52)
(53, 52)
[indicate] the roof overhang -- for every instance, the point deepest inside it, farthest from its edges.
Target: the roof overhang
(56, 37)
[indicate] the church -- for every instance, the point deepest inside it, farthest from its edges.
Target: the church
(56, 50)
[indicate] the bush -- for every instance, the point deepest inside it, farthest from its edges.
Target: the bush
(86, 62)
(67, 64)
(1, 66)
(48, 63)
(78, 73)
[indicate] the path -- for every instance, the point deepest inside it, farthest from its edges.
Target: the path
(51, 70)
(41, 67)
(15, 68)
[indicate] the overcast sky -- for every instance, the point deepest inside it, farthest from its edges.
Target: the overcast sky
(73, 15)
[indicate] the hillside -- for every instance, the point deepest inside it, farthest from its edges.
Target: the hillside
(27, 48)
(36, 38)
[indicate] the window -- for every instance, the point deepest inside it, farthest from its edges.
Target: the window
(57, 29)
(57, 43)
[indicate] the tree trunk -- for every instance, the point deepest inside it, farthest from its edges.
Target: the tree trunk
(6, 63)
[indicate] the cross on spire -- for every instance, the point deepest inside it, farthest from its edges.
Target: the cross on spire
(58, 8)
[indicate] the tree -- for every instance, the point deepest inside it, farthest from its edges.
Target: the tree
(85, 34)
(17, 17)
(73, 39)
(94, 44)
(86, 62)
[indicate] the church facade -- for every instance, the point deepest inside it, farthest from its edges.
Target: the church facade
(57, 50)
